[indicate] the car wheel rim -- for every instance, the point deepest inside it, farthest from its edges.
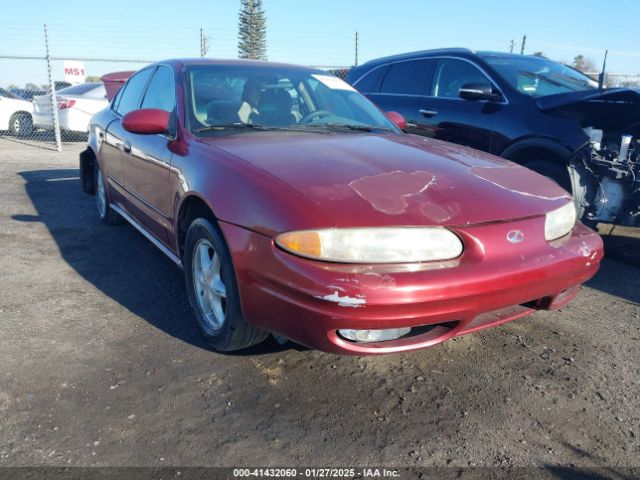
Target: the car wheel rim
(209, 288)
(16, 125)
(101, 197)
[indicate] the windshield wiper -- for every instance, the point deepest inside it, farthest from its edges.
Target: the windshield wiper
(351, 127)
(237, 125)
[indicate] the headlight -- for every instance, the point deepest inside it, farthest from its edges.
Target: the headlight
(373, 245)
(559, 222)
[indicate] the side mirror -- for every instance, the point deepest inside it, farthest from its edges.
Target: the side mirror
(478, 91)
(147, 121)
(397, 119)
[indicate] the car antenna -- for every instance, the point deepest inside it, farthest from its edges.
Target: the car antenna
(603, 72)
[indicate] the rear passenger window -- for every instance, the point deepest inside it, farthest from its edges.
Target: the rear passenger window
(408, 78)
(130, 98)
(451, 74)
(370, 82)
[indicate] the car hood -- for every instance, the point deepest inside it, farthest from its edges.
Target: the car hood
(396, 179)
(609, 109)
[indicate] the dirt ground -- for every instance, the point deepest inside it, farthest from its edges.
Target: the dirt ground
(101, 364)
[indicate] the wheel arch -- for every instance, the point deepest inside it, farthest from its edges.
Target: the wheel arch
(18, 112)
(521, 151)
(191, 207)
(533, 153)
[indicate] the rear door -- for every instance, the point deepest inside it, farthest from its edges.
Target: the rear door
(453, 119)
(402, 89)
(113, 142)
(147, 160)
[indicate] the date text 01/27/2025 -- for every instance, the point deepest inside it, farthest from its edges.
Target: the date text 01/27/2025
(316, 472)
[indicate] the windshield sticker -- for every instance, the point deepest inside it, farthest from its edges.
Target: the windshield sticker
(334, 83)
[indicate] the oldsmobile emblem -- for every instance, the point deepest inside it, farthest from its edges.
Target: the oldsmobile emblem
(515, 236)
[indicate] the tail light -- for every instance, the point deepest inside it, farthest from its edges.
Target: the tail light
(64, 103)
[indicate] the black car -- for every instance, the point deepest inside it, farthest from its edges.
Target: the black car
(534, 111)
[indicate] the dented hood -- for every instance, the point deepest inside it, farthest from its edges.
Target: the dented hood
(395, 179)
(613, 108)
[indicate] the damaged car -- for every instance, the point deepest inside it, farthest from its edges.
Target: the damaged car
(296, 208)
(539, 113)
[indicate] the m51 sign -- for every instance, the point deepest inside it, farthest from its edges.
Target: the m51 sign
(74, 71)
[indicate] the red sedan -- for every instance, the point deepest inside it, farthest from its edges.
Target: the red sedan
(295, 207)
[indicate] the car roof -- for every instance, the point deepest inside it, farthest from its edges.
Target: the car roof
(420, 53)
(188, 62)
(488, 53)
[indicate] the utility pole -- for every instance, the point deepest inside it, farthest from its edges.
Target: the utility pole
(357, 47)
(52, 93)
(524, 42)
(202, 44)
(512, 45)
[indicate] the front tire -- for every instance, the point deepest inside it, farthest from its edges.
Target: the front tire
(105, 212)
(213, 291)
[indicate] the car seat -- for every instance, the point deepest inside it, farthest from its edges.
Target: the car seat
(274, 109)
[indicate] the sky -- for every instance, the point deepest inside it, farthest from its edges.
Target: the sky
(319, 33)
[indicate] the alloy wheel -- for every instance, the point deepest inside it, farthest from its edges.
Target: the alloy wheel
(209, 288)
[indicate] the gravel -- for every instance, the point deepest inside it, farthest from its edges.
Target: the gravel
(101, 364)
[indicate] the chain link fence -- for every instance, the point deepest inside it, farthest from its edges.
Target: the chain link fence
(27, 98)
(38, 111)
(47, 101)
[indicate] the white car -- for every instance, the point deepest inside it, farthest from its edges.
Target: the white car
(15, 114)
(76, 106)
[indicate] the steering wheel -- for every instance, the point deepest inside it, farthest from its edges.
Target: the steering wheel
(318, 113)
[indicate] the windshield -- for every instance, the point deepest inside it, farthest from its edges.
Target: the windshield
(538, 77)
(8, 94)
(229, 97)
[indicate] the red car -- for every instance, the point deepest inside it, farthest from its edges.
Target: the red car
(296, 207)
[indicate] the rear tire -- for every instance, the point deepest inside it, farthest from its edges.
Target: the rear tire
(213, 291)
(21, 125)
(105, 212)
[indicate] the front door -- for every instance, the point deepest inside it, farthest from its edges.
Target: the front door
(147, 161)
(453, 119)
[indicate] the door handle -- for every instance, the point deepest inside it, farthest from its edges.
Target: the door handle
(428, 113)
(126, 148)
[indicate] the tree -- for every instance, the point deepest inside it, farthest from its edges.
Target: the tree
(583, 64)
(538, 54)
(252, 30)
(93, 78)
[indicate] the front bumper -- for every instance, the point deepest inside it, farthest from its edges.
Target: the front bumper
(493, 282)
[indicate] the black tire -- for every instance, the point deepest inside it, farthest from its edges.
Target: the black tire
(107, 214)
(234, 333)
(21, 125)
(556, 171)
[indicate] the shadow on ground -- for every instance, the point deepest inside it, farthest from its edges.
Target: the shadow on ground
(117, 260)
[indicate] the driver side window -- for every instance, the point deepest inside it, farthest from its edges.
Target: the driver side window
(451, 74)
